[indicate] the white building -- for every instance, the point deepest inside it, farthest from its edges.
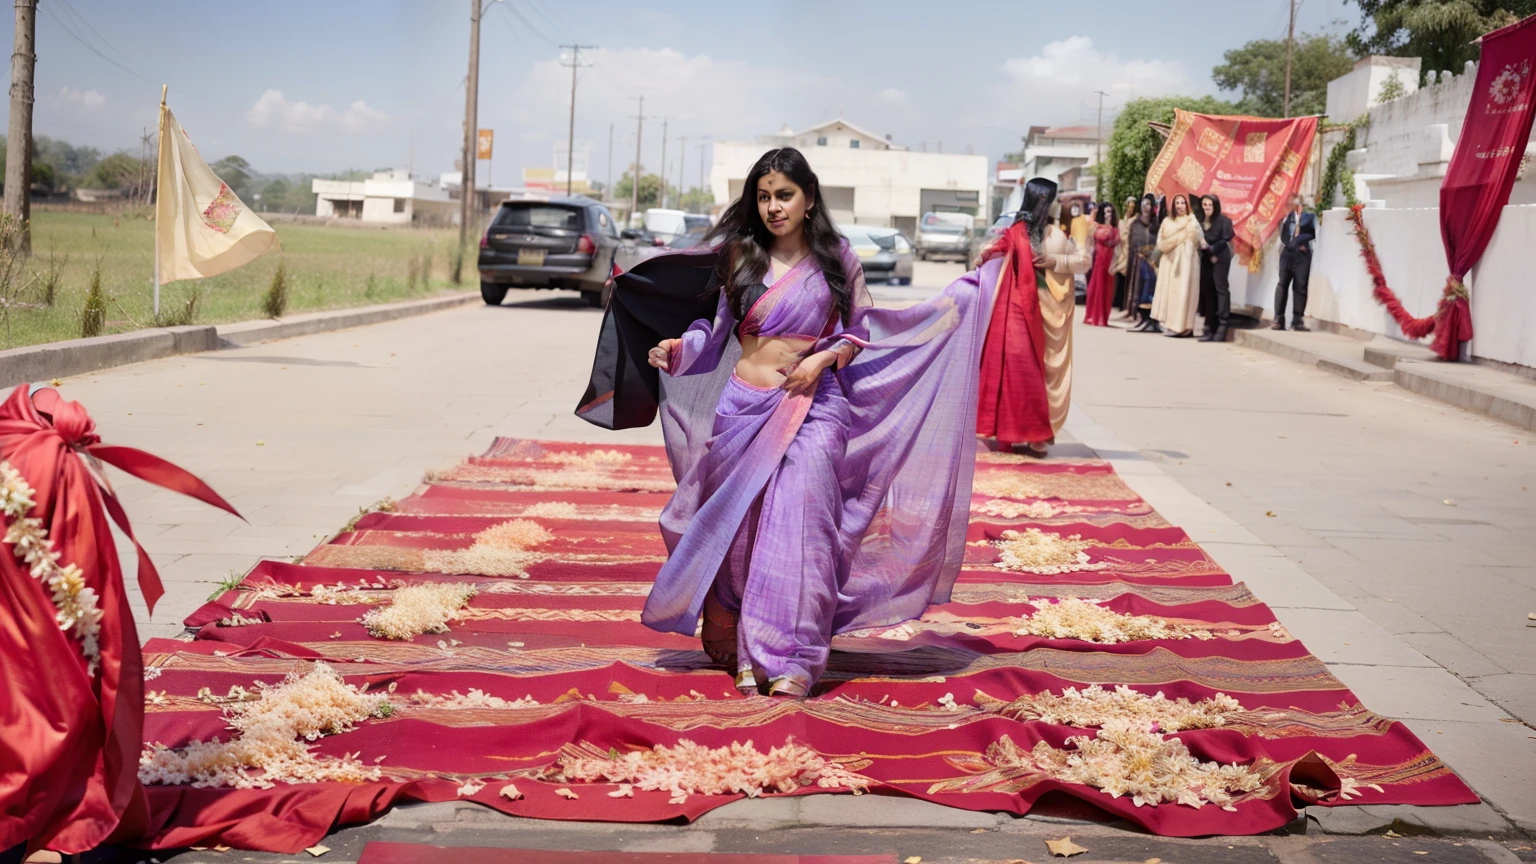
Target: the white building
(864, 177)
(1051, 152)
(388, 196)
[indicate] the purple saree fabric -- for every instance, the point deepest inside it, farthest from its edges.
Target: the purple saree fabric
(892, 433)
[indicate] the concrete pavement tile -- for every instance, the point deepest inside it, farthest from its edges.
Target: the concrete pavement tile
(1382, 850)
(1398, 618)
(1274, 578)
(1455, 655)
(1378, 818)
(1430, 695)
(881, 811)
(1516, 693)
(1412, 555)
(1336, 636)
(755, 811)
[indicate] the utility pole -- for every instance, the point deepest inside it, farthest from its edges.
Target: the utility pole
(18, 142)
(664, 122)
(682, 160)
(702, 145)
(471, 125)
(1098, 151)
(1290, 48)
(634, 174)
(610, 161)
(570, 153)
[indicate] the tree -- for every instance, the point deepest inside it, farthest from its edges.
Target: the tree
(274, 195)
(650, 190)
(236, 174)
(1258, 70)
(1133, 144)
(1441, 32)
(697, 200)
(120, 171)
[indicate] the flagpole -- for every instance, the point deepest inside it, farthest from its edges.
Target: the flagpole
(159, 157)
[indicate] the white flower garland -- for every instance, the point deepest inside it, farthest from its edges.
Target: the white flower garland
(417, 609)
(501, 550)
(73, 600)
(689, 769)
(1093, 706)
(1128, 759)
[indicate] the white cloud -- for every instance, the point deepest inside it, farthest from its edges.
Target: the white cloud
(892, 96)
(272, 108)
(1053, 87)
(90, 99)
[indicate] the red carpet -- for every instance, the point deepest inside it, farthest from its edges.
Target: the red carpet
(556, 666)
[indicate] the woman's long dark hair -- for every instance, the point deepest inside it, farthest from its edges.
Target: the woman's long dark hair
(1114, 214)
(744, 239)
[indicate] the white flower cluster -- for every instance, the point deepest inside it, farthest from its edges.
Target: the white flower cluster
(1005, 484)
(74, 602)
(589, 459)
(501, 550)
(551, 510)
(1044, 552)
(692, 769)
(475, 698)
(417, 609)
(1128, 759)
(1005, 509)
(271, 733)
(1093, 706)
(1075, 618)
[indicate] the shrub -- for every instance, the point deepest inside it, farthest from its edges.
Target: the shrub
(93, 315)
(275, 302)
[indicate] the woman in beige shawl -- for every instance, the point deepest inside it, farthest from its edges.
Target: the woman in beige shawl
(1064, 261)
(1178, 274)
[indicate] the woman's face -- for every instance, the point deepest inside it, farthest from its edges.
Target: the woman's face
(781, 204)
(1077, 209)
(1180, 206)
(1208, 206)
(1146, 208)
(1109, 213)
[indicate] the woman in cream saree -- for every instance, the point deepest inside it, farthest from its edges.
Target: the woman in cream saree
(1178, 274)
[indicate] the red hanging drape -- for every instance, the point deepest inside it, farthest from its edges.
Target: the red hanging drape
(1483, 168)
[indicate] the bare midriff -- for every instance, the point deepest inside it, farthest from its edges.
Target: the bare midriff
(767, 360)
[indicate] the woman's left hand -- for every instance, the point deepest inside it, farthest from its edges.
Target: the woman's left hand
(801, 381)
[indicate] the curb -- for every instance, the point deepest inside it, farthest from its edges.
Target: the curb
(78, 356)
(1512, 402)
(252, 332)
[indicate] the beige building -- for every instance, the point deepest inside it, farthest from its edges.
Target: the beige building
(865, 178)
(388, 197)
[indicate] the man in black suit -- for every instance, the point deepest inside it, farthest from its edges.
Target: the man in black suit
(1296, 235)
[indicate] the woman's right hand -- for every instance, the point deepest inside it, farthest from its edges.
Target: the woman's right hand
(661, 355)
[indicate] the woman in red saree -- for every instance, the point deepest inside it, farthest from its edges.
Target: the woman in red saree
(1101, 284)
(1026, 362)
(72, 696)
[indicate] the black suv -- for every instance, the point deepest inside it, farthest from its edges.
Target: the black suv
(562, 243)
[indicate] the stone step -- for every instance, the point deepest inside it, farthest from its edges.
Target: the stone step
(1330, 352)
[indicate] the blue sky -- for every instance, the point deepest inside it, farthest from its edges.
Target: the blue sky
(326, 86)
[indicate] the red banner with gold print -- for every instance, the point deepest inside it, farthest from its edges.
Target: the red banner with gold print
(1253, 164)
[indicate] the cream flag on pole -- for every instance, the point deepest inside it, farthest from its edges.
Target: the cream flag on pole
(201, 226)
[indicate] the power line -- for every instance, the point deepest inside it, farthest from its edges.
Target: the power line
(92, 48)
(549, 16)
(83, 20)
(512, 10)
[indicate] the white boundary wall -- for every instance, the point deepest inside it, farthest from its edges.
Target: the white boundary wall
(1408, 243)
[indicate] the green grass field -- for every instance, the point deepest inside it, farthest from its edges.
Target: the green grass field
(328, 267)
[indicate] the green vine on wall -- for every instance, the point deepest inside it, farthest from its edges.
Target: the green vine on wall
(1337, 175)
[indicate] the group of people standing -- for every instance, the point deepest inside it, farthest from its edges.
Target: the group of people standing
(1171, 261)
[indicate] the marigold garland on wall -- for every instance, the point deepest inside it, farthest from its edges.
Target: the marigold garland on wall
(74, 602)
(1455, 293)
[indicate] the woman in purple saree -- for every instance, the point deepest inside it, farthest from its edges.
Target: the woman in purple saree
(823, 448)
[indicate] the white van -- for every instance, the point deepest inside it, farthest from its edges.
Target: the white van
(668, 225)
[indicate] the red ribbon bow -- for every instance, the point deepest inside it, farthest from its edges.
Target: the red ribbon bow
(75, 426)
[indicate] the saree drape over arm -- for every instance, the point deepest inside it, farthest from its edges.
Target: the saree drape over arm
(812, 514)
(1178, 274)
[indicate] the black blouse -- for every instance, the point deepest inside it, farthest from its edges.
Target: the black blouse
(1218, 238)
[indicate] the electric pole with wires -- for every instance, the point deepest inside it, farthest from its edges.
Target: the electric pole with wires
(1290, 49)
(570, 153)
(664, 122)
(471, 130)
(634, 174)
(1098, 151)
